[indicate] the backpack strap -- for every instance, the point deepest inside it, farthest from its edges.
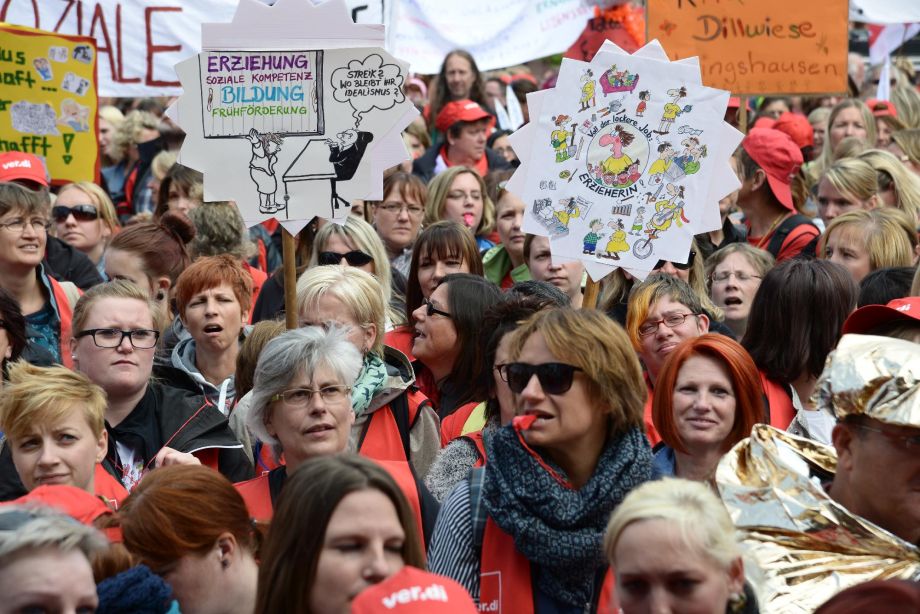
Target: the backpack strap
(478, 514)
(780, 234)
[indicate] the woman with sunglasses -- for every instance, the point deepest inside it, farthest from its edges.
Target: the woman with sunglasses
(150, 424)
(393, 420)
(531, 523)
(301, 405)
(708, 398)
(441, 249)
(356, 244)
(447, 348)
(46, 303)
(85, 218)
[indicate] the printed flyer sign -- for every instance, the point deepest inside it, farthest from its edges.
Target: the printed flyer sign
(781, 46)
(628, 158)
(48, 100)
(298, 131)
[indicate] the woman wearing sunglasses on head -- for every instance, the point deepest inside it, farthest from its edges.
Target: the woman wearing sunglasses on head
(85, 218)
(525, 533)
(356, 244)
(449, 355)
(301, 405)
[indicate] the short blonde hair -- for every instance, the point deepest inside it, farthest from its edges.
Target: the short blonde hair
(44, 396)
(826, 157)
(358, 290)
(589, 340)
(691, 506)
(888, 234)
(854, 178)
(905, 183)
(129, 131)
(437, 198)
(762, 261)
(112, 289)
(99, 198)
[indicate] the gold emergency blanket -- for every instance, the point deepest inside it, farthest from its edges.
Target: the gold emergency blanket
(875, 376)
(807, 546)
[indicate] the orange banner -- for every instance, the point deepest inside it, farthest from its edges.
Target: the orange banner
(758, 46)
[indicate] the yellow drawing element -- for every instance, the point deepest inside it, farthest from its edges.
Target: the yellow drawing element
(674, 216)
(615, 166)
(566, 215)
(617, 242)
(560, 141)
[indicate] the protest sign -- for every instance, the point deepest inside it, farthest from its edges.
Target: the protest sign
(627, 160)
(781, 46)
(297, 129)
(498, 34)
(139, 42)
(48, 100)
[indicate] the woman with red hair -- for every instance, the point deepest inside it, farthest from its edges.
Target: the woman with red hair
(707, 399)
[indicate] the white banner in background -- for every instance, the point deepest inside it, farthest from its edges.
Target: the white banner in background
(140, 41)
(498, 34)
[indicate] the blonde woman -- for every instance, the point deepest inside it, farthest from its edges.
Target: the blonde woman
(673, 546)
(85, 218)
(906, 148)
(137, 142)
(850, 117)
(907, 101)
(460, 194)
(847, 185)
(356, 244)
(110, 118)
(863, 241)
(898, 187)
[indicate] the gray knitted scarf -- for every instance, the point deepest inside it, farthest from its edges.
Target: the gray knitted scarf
(560, 529)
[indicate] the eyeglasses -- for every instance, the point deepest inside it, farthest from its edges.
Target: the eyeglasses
(671, 321)
(301, 397)
(394, 208)
(502, 371)
(906, 442)
(678, 265)
(353, 258)
(19, 224)
(432, 310)
(554, 377)
(81, 213)
(739, 275)
(141, 338)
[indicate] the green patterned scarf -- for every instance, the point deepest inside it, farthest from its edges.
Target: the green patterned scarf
(371, 380)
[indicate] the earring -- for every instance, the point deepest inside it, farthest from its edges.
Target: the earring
(160, 296)
(224, 563)
(736, 602)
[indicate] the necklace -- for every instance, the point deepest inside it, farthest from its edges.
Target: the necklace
(766, 236)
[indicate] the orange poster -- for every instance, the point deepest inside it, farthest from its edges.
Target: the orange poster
(758, 46)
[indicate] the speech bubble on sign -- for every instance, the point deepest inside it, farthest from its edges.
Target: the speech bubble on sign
(368, 84)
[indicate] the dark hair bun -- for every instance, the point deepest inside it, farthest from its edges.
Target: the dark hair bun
(179, 225)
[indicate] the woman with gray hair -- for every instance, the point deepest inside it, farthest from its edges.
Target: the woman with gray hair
(45, 562)
(301, 404)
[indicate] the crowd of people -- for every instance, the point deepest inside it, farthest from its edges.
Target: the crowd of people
(453, 422)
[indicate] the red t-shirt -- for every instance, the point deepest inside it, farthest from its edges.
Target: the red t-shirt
(797, 239)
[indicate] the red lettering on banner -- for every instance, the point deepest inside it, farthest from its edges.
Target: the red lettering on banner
(6, 6)
(99, 18)
(121, 58)
(152, 49)
(57, 26)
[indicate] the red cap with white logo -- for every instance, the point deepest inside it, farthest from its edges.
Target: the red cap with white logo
(411, 591)
(865, 319)
(19, 166)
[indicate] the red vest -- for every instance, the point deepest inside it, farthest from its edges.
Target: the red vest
(65, 314)
(107, 487)
(779, 403)
(476, 440)
(505, 585)
(258, 498)
(650, 431)
(401, 339)
(258, 279)
(452, 425)
(383, 441)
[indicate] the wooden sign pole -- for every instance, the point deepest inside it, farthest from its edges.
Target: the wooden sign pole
(288, 248)
(743, 115)
(589, 300)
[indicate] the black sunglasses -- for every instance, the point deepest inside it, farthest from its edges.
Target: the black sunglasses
(432, 310)
(81, 213)
(353, 258)
(555, 377)
(678, 265)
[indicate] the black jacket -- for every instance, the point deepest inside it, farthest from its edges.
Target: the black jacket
(423, 167)
(65, 263)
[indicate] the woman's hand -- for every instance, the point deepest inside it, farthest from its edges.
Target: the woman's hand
(169, 456)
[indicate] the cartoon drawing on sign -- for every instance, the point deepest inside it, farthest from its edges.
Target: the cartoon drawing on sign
(74, 115)
(265, 148)
(689, 158)
(556, 221)
(618, 161)
(368, 84)
(617, 242)
(559, 138)
(637, 223)
(592, 238)
(587, 90)
(83, 53)
(43, 66)
(667, 211)
(663, 163)
(644, 97)
(672, 110)
(614, 80)
(345, 155)
(30, 118)
(58, 54)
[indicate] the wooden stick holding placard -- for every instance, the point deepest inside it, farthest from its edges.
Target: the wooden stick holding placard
(289, 265)
(743, 115)
(589, 300)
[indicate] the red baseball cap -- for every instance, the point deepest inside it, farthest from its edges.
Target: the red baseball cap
(778, 156)
(460, 111)
(16, 165)
(864, 319)
(764, 122)
(797, 127)
(881, 108)
(413, 591)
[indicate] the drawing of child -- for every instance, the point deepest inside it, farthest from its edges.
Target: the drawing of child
(644, 97)
(637, 223)
(591, 239)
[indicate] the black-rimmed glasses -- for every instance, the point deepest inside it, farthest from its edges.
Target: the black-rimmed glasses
(432, 310)
(141, 338)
